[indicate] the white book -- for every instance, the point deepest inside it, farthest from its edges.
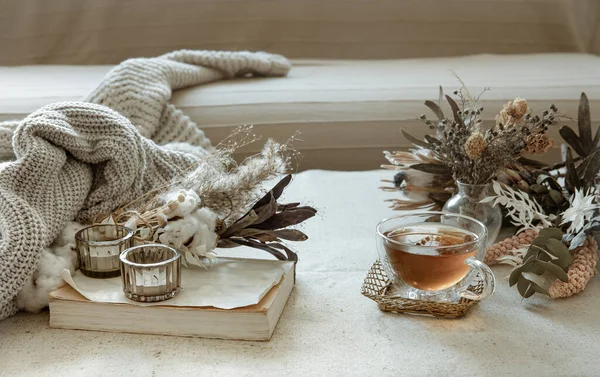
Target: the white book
(70, 310)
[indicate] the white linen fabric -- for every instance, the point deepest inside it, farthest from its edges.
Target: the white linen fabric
(78, 159)
(328, 328)
(347, 111)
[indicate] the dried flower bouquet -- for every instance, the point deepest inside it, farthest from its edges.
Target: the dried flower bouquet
(221, 204)
(463, 149)
(555, 207)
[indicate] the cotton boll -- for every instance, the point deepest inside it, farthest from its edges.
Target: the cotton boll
(194, 232)
(34, 295)
(205, 237)
(179, 231)
(67, 235)
(206, 216)
(177, 207)
(30, 298)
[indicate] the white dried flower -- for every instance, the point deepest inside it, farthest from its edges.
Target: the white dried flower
(522, 209)
(582, 209)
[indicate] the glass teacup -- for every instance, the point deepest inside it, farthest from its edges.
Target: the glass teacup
(435, 256)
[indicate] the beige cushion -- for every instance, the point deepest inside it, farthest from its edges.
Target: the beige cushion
(107, 32)
(347, 111)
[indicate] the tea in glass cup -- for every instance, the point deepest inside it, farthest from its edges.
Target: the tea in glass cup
(434, 256)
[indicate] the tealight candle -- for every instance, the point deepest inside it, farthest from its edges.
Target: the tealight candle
(150, 272)
(98, 249)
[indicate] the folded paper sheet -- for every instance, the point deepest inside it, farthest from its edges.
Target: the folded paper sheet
(228, 284)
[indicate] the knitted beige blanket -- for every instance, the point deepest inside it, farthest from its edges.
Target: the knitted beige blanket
(82, 159)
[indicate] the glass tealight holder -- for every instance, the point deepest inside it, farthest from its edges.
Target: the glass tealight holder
(99, 247)
(151, 272)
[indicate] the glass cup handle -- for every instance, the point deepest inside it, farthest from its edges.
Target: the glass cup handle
(487, 279)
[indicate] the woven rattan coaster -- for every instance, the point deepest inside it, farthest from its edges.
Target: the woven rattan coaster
(378, 288)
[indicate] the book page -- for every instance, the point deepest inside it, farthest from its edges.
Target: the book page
(228, 284)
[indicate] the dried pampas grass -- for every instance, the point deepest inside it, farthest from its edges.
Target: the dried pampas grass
(194, 212)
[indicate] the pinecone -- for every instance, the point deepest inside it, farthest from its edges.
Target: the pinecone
(582, 269)
(500, 249)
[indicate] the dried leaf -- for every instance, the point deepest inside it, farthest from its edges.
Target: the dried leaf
(265, 212)
(283, 207)
(539, 289)
(532, 163)
(292, 256)
(571, 178)
(436, 109)
(291, 235)
(572, 139)
(535, 279)
(265, 237)
(514, 275)
(248, 232)
(275, 191)
(554, 270)
(525, 288)
(257, 245)
(551, 233)
(557, 197)
(584, 123)
(538, 189)
(560, 250)
(242, 223)
(279, 187)
(225, 243)
(592, 167)
(455, 110)
(303, 208)
(431, 168)
(432, 140)
(287, 218)
(414, 140)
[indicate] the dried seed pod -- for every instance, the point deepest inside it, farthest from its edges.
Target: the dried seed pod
(557, 197)
(539, 189)
(513, 175)
(523, 186)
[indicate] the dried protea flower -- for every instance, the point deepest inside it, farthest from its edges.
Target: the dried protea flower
(538, 143)
(513, 112)
(475, 145)
(517, 109)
